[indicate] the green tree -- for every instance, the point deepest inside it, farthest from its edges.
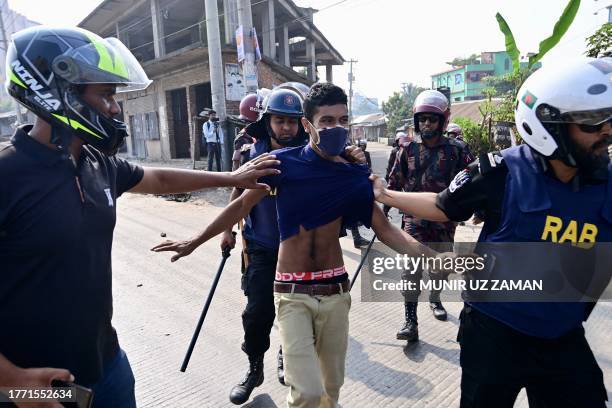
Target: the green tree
(561, 27)
(396, 109)
(459, 61)
(475, 135)
(600, 43)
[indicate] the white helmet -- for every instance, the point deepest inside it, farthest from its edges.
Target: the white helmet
(576, 92)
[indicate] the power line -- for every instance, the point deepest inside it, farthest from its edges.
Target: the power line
(303, 18)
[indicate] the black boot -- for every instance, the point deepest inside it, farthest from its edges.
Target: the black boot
(358, 240)
(280, 368)
(410, 331)
(438, 310)
(254, 378)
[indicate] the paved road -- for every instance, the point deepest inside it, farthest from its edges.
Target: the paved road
(157, 304)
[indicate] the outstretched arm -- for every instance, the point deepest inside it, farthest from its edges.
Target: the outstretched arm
(421, 205)
(233, 213)
(397, 239)
(228, 239)
(168, 181)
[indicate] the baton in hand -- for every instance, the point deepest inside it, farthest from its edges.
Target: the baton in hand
(225, 253)
(363, 258)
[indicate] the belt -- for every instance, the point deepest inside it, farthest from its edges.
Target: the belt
(312, 290)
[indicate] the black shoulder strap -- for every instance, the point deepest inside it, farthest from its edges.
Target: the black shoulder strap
(420, 169)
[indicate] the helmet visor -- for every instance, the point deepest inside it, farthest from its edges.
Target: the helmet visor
(102, 61)
(591, 117)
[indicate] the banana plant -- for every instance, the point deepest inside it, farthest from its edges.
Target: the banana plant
(547, 44)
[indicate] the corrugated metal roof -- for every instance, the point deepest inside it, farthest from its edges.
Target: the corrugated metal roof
(469, 109)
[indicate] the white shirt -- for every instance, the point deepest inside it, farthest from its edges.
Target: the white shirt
(208, 130)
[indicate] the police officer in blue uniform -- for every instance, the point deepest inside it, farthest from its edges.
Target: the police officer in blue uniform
(557, 187)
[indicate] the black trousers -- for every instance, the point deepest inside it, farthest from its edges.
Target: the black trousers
(498, 361)
(434, 295)
(258, 316)
(214, 153)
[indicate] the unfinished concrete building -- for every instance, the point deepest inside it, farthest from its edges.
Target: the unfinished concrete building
(169, 39)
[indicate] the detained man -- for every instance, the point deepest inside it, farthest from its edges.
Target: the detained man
(317, 191)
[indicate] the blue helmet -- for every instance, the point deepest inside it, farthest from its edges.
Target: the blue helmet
(281, 102)
(284, 102)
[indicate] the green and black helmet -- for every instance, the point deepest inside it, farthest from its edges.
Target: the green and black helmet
(45, 67)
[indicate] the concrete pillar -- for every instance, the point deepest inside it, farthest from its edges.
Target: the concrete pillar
(249, 65)
(230, 18)
(265, 33)
(159, 99)
(312, 63)
(159, 42)
(285, 53)
(271, 29)
(215, 63)
(329, 73)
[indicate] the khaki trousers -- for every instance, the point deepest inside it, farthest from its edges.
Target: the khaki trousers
(314, 336)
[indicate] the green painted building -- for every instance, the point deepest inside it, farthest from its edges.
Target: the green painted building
(466, 83)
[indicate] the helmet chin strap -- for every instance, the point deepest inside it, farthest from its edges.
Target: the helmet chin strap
(292, 142)
(61, 136)
(566, 148)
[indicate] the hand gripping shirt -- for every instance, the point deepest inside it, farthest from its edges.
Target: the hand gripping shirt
(312, 192)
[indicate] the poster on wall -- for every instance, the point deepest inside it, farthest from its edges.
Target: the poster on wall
(234, 85)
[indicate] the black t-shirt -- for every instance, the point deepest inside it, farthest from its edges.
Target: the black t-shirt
(56, 232)
(478, 189)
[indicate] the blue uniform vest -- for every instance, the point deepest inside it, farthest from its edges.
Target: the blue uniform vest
(261, 225)
(533, 202)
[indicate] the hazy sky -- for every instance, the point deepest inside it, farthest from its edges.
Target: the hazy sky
(399, 41)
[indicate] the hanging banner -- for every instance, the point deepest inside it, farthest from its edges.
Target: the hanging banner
(240, 44)
(256, 46)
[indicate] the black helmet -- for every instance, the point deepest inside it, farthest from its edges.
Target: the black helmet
(284, 102)
(45, 67)
(362, 144)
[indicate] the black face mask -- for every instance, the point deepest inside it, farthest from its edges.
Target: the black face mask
(429, 134)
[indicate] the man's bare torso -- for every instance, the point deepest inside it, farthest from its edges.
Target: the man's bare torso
(313, 250)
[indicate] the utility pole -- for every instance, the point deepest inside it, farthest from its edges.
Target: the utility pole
(5, 43)
(249, 65)
(215, 61)
(351, 79)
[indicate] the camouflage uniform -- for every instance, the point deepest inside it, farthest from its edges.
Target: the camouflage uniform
(419, 168)
(242, 143)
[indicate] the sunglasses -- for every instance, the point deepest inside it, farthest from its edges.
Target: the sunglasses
(430, 118)
(593, 128)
